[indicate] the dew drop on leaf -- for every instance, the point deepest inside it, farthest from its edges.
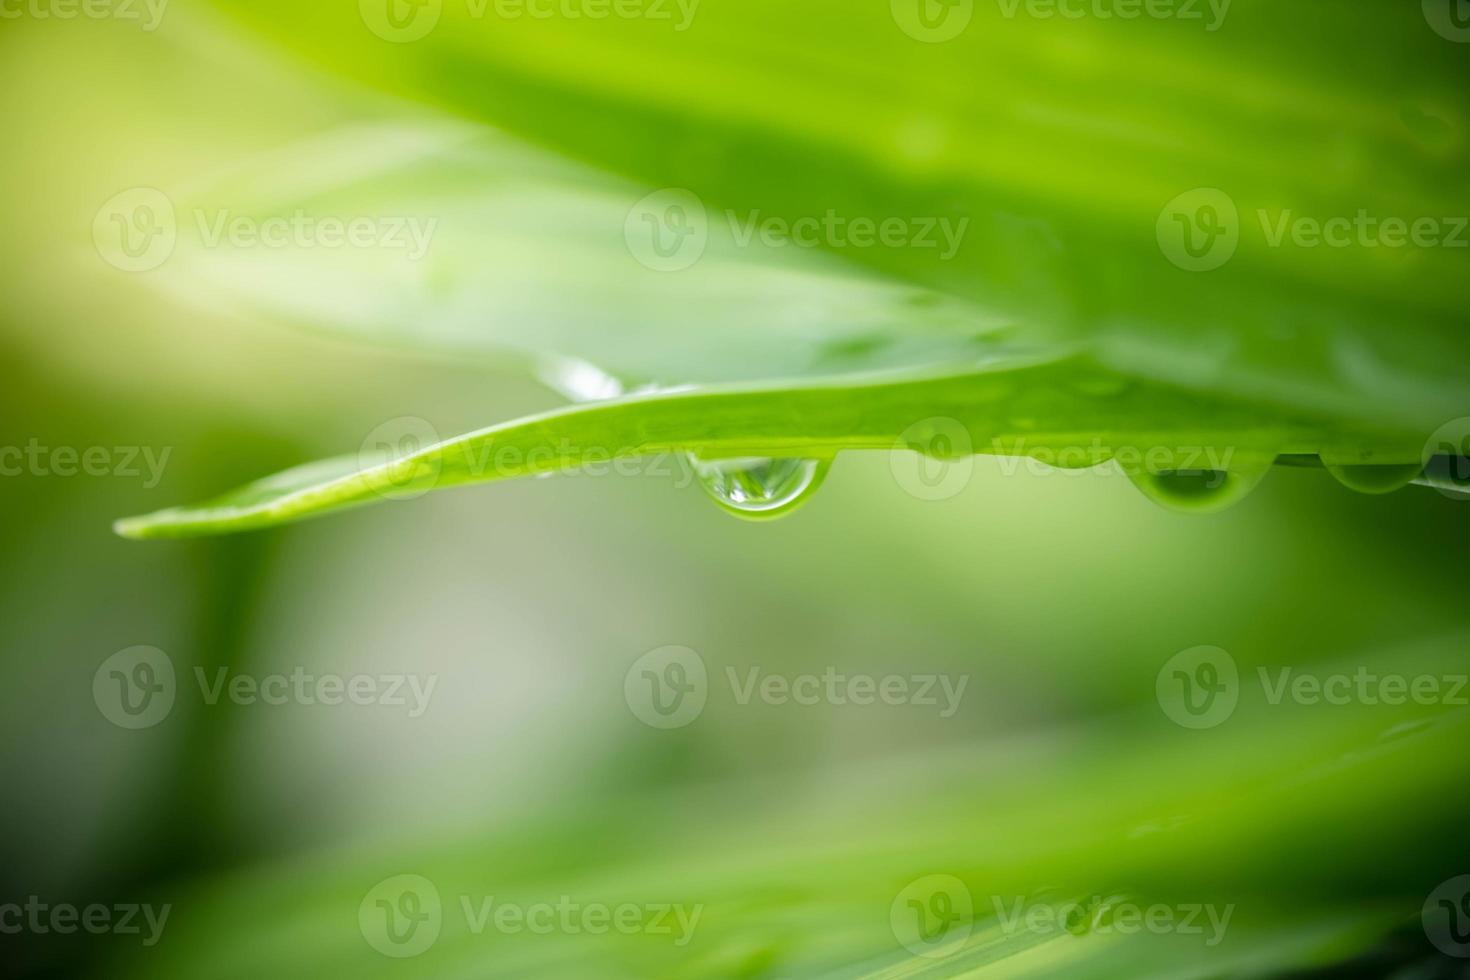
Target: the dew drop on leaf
(1375, 478)
(1198, 491)
(760, 488)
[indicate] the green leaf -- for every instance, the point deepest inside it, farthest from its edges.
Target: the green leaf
(1253, 817)
(524, 257)
(1068, 145)
(1059, 409)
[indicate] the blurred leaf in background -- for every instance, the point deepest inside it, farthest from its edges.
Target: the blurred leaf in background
(1059, 800)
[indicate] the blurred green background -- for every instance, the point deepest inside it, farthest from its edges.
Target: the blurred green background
(1059, 597)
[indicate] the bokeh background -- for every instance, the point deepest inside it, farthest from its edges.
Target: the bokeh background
(1058, 596)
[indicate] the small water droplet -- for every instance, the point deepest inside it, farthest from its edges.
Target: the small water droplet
(1199, 491)
(1073, 458)
(760, 488)
(1374, 478)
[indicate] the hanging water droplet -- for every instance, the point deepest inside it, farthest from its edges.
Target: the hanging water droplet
(1203, 491)
(760, 488)
(1375, 478)
(1073, 458)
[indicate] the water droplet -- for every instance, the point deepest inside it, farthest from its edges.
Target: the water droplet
(1375, 478)
(760, 488)
(1072, 457)
(581, 381)
(1198, 491)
